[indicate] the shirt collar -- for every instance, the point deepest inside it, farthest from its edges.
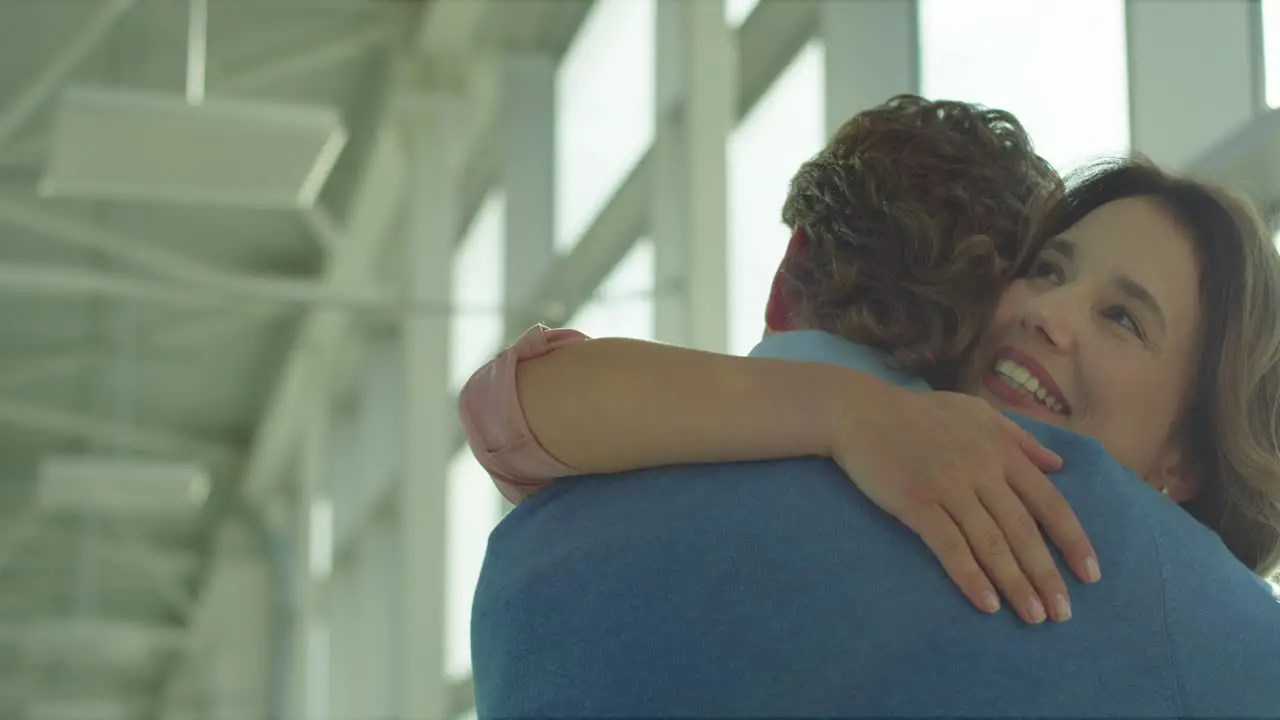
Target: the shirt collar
(824, 347)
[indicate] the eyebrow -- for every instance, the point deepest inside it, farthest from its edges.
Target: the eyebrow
(1130, 288)
(1060, 245)
(1136, 292)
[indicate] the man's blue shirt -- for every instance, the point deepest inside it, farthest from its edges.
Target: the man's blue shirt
(778, 589)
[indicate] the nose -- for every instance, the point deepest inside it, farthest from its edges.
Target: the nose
(1049, 316)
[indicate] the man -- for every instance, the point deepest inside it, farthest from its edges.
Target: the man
(777, 588)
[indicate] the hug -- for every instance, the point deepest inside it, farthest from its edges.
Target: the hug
(1007, 447)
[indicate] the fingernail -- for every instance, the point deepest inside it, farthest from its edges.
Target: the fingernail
(1061, 608)
(1091, 571)
(1035, 614)
(990, 602)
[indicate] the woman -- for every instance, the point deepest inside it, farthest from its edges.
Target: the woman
(1148, 321)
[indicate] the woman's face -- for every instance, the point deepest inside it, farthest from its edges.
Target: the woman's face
(1101, 338)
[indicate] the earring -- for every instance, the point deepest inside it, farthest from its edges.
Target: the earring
(1164, 491)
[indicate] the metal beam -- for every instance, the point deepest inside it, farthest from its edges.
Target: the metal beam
(15, 537)
(308, 613)
(69, 635)
(159, 441)
(378, 193)
(99, 708)
(227, 291)
(49, 365)
(149, 256)
(323, 227)
(871, 53)
(51, 547)
(558, 22)
(438, 135)
(174, 590)
(312, 56)
(766, 43)
(528, 142)
(45, 82)
(1247, 161)
(315, 55)
(121, 247)
(695, 114)
(449, 29)
(25, 149)
(1183, 102)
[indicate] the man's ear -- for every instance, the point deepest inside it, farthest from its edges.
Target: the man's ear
(779, 313)
(1174, 476)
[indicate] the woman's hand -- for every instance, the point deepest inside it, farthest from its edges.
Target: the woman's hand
(970, 482)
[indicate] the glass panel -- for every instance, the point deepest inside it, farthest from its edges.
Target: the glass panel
(320, 553)
(317, 669)
(1271, 50)
(474, 509)
(623, 305)
(736, 12)
(476, 324)
(1061, 67)
(604, 110)
(784, 129)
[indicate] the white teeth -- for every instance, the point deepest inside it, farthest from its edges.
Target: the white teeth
(1021, 378)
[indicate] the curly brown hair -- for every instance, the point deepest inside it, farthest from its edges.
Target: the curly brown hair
(916, 214)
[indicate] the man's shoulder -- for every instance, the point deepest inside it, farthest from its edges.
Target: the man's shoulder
(675, 509)
(1224, 624)
(1098, 487)
(691, 488)
(823, 347)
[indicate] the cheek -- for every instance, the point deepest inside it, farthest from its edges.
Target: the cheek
(1013, 298)
(1132, 408)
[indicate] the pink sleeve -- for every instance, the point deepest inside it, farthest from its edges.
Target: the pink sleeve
(496, 429)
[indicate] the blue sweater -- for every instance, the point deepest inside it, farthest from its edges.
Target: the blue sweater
(777, 589)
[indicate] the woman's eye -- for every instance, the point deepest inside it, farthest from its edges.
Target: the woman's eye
(1124, 319)
(1047, 269)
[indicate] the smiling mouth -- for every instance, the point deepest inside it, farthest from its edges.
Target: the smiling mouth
(1019, 378)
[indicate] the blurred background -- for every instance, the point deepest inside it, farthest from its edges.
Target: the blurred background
(251, 249)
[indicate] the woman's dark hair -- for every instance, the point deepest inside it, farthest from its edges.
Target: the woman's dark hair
(915, 214)
(1229, 427)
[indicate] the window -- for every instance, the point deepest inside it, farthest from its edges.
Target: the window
(604, 110)
(784, 129)
(474, 509)
(623, 305)
(1061, 67)
(736, 12)
(320, 552)
(1271, 50)
(476, 325)
(317, 669)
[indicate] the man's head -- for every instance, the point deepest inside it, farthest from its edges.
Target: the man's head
(907, 227)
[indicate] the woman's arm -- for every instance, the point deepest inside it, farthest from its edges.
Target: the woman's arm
(557, 404)
(613, 404)
(494, 422)
(974, 496)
